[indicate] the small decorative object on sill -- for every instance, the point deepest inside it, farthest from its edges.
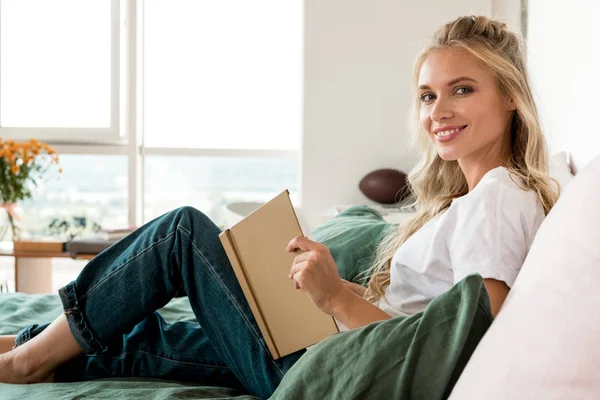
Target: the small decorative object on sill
(72, 227)
(386, 186)
(23, 166)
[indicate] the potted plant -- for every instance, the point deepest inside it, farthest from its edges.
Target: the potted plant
(22, 167)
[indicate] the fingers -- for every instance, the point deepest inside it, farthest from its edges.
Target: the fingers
(307, 255)
(302, 243)
(296, 268)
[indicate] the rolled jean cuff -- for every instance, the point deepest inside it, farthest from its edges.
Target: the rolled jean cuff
(80, 328)
(27, 333)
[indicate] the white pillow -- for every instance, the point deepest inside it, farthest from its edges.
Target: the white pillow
(560, 169)
(545, 342)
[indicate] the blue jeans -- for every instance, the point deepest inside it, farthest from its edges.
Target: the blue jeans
(111, 312)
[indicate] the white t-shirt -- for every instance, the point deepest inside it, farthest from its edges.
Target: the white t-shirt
(487, 231)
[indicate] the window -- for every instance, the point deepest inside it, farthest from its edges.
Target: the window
(91, 186)
(174, 102)
(59, 63)
(209, 183)
(222, 74)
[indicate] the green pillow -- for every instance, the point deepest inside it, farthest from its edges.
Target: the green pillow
(352, 237)
(416, 357)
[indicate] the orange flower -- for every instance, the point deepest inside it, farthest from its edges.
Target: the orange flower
(15, 169)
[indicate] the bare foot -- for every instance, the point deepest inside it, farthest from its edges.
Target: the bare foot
(35, 360)
(14, 368)
(6, 343)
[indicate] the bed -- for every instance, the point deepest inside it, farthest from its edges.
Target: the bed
(403, 353)
(417, 357)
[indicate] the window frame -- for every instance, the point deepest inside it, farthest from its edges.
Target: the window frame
(128, 16)
(114, 134)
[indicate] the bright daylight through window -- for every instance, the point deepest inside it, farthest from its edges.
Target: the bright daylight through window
(221, 75)
(154, 104)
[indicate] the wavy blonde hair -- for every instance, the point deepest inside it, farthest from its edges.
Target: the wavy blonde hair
(434, 182)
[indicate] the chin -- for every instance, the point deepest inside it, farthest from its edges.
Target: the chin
(447, 156)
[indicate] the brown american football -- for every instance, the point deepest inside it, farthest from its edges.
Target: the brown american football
(386, 186)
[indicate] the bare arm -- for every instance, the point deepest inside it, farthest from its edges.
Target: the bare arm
(315, 273)
(497, 291)
(355, 287)
(354, 311)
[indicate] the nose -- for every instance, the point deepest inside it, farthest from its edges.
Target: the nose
(441, 109)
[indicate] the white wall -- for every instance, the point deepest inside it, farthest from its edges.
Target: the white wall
(564, 60)
(508, 11)
(357, 93)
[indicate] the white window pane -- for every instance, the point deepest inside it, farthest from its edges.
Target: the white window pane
(209, 183)
(223, 74)
(55, 63)
(94, 186)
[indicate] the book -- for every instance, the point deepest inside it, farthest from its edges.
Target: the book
(255, 246)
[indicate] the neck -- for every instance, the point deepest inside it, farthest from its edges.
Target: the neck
(474, 173)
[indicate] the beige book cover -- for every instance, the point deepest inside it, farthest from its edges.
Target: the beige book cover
(255, 246)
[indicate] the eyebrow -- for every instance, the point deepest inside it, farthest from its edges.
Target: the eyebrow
(452, 82)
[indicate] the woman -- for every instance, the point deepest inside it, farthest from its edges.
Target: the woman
(481, 192)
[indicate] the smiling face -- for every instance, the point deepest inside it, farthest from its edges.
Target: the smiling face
(462, 110)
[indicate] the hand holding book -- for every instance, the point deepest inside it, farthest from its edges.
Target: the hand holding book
(316, 273)
(287, 318)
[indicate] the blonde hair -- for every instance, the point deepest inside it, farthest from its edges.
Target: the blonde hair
(434, 182)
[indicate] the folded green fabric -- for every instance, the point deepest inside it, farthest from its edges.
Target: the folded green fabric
(352, 237)
(418, 357)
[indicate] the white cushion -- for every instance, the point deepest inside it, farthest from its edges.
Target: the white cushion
(545, 342)
(560, 168)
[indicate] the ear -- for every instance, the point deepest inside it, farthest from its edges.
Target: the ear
(511, 105)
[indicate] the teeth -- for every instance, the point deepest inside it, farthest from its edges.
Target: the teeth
(446, 133)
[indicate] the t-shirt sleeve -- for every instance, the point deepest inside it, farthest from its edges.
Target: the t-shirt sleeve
(494, 236)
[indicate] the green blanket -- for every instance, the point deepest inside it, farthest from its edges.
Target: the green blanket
(417, 357)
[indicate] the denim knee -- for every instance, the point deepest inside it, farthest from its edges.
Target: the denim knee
(195, 217)
(193, 213)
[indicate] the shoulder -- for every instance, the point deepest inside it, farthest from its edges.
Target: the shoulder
(513, 198)
(494, 226)
(499, 202)
(500, 192)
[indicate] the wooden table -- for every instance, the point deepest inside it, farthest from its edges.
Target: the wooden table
(33, 269)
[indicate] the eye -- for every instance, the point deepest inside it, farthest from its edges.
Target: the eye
(427, 98)
(463, 90)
